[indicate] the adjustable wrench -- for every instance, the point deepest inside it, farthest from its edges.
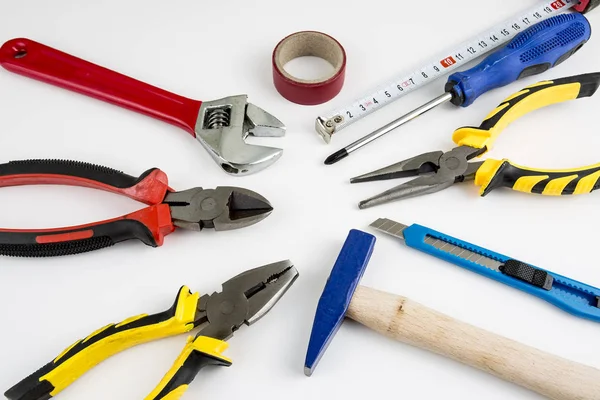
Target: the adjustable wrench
(220, 125)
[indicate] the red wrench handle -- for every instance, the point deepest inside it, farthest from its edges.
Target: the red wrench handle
(37, 61)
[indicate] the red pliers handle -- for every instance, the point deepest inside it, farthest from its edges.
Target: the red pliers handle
(149, 224)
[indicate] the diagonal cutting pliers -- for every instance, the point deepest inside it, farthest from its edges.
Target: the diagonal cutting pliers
(439, 170)
(223, 208)
(244, 300)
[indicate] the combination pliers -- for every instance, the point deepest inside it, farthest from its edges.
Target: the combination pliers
(223, 208)
(244, 300)
(439, 170)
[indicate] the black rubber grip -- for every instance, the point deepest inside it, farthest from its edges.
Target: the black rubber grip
(26, 244)
(39, 250)
(589, 83)
(32, 388)
(75, 169)
(527, 273)
(188, 371)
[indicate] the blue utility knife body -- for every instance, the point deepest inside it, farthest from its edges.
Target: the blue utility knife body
(570, 295)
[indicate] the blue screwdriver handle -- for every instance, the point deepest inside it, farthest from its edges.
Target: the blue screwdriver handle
(531, 52)
(570, 295)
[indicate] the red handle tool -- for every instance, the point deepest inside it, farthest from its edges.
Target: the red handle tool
(150, 224)
(37, 61)
(221, 126)
(222, 208)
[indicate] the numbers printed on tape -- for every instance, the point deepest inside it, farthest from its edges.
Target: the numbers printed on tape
(448, 62)
(482, 44)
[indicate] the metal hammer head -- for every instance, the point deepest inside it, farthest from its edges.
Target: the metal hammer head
(224, 124)
(335, 300)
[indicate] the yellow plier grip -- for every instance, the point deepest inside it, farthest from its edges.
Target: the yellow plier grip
(84, 354)
(497, 173)
(197, 354)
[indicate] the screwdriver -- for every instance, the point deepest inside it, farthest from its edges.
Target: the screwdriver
(531, 52)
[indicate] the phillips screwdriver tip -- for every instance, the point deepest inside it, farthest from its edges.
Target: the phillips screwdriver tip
(337, 156)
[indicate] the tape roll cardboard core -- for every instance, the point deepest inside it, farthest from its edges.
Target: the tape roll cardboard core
(309, 91)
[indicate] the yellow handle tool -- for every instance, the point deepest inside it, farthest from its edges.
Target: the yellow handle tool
(438, 170)
(497, 173)
(198, 353)
(111, 339)
(245, 299)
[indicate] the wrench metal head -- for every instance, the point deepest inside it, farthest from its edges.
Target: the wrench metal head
(224, 124)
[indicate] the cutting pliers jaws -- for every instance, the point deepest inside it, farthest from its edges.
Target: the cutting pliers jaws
(244, 299)
(222, 208)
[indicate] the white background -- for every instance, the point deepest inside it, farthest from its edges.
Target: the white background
(209, 50)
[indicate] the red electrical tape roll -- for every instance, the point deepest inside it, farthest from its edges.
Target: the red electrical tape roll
(309, 43)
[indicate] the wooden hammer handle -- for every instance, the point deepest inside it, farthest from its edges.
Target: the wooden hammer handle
(414, 324)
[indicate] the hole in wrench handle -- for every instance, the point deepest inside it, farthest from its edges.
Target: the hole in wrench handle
(37, 61)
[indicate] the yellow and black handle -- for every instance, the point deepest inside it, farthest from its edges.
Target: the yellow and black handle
(83, 355)
(503, 173)
(197, 354)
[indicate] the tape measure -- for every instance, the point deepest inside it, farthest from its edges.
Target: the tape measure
(487, 41)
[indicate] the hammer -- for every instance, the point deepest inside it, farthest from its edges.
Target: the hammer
(412, 323)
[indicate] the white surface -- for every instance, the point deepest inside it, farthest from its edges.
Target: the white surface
(208, 50)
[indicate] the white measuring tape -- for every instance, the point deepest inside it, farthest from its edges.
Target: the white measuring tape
(487, 41)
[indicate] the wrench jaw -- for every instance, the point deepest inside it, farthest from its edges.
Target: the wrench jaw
(260, 123)
(222, 127)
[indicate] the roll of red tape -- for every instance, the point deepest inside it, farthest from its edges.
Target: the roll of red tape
(304, 91)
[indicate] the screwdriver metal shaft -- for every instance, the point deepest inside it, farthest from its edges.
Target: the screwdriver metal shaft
(531, 52)
(337, 156)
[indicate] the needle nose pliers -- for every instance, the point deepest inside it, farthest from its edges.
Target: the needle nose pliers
(223, 208)
(439, 170)
(244, 300)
